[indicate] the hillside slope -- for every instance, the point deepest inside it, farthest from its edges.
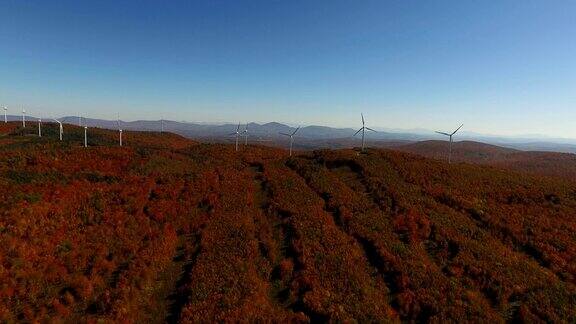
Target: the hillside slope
(562, 165)
(169, 230)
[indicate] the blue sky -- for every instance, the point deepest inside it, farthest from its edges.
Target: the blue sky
(501, 67)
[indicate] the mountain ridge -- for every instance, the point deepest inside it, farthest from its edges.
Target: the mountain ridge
(321, 135)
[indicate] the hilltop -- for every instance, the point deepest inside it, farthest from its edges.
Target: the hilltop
(562, 165)
(464, 151)
(166, 229)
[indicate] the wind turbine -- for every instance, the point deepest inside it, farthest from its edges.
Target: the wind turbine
(39, 127)
(79, 120)
(5, 116)
(363, 129)
(162, 124)
(245, 132)
(237, 133)
(119, 129)
(450, 135)
(61, 130)
(291, 138)
(85, 136)
(23, 118)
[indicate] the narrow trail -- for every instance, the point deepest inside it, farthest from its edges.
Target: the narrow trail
(361, 185)
(172, 284)
(281, 254)
(350, 174)
(381, 273)
(433, 246)
(178, 276)
(501, 233)
(167, 287)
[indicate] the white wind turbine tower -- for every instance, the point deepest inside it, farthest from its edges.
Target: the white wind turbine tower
(39, 127)
(85, 136)
(60, 129)
(119, 129)
(450, 135)
(23, 118)
(291, 135)
(5, 115)
(245, 132)
(363, 130)
(237, 133)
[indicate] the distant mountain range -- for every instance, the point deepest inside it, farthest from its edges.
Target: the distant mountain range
(267, 131)
(313, 137)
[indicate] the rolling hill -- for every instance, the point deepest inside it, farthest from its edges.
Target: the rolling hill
(166, 229)
(562, 165)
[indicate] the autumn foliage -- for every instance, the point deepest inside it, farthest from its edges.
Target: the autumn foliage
(165, 229)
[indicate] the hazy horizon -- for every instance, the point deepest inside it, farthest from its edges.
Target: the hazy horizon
(503, 69)
(463, 134)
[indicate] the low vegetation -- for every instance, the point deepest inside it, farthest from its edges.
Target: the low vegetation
(166, 229)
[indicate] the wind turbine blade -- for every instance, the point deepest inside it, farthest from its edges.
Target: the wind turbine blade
(232, 134)
(238, 128)
(296, 131)
(358, 131)
(284, 134)
(457, 129)
(368, 128)
(361, 114)
(443, 133)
